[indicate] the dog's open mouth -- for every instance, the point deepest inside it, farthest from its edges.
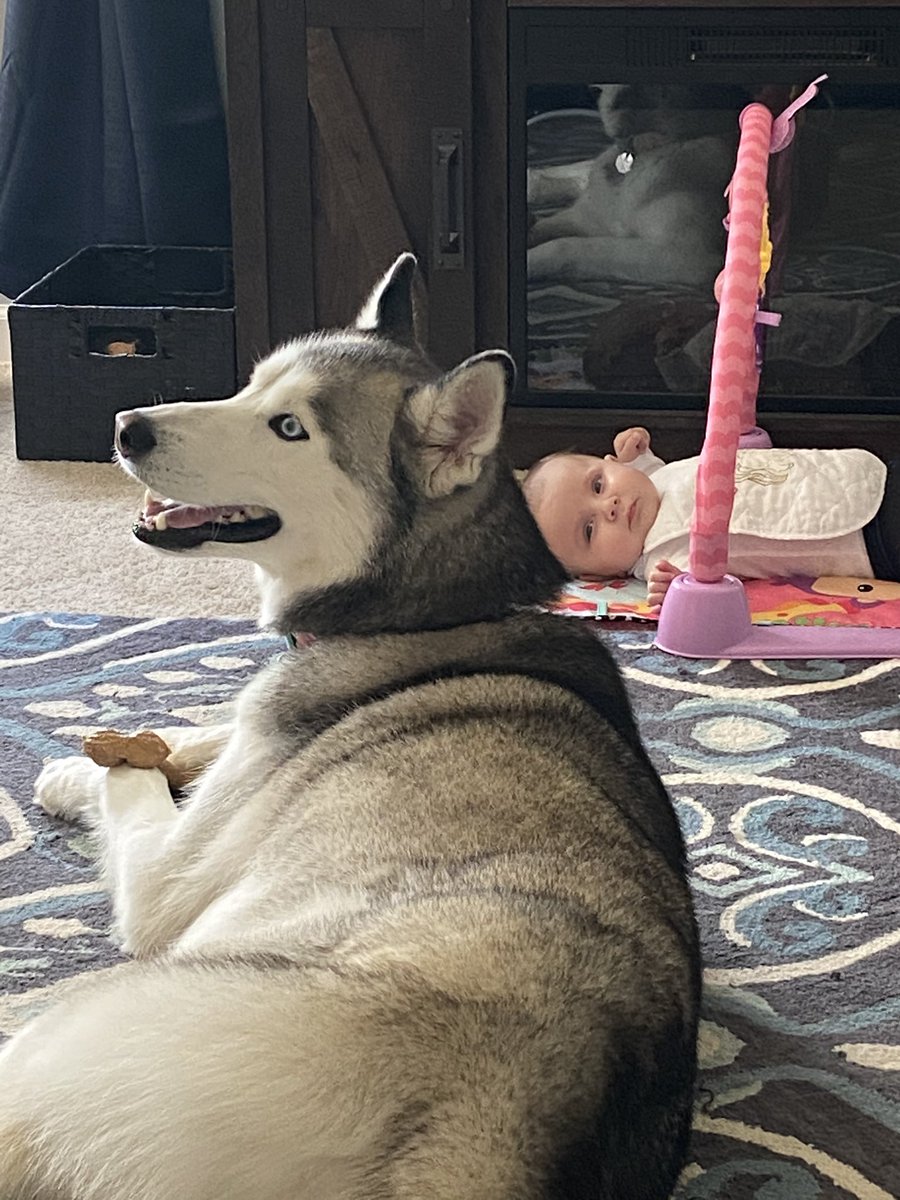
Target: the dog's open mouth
(170, 525)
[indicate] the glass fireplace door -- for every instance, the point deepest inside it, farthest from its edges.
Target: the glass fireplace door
(623, 132)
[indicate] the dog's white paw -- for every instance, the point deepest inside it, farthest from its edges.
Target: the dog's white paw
(70, 787)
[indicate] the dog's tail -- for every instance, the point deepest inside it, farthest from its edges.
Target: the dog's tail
(16, 1154)
(200, 1078)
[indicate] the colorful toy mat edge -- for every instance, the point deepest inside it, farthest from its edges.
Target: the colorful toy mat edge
(828, 600)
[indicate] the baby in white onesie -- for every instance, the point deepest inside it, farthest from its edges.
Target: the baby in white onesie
(796, 512)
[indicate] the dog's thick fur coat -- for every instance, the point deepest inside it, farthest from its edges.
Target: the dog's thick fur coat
(422, 930)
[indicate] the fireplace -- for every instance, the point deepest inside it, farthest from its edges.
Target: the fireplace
(622, 130)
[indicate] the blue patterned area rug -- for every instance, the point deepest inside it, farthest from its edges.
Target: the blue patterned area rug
(787, 781)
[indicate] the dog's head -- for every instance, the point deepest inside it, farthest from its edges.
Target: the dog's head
(347, 469)
(675, 112)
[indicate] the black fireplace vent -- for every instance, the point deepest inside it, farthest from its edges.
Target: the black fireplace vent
(825, 46)
(565, 50)
(818, 47)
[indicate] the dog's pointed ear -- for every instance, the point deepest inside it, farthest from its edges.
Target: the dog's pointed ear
(457, 420)
(389, 309)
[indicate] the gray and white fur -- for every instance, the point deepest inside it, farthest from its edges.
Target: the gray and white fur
(421, 930)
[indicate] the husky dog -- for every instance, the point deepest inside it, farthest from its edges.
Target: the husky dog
(421, 930)
(659, 220)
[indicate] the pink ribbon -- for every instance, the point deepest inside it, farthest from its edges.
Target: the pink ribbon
(783, 126)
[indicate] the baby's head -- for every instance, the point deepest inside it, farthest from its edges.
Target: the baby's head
(594, 513)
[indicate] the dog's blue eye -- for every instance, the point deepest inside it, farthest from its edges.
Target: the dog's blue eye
(288, 427)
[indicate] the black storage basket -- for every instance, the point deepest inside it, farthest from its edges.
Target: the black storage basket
(118, 327)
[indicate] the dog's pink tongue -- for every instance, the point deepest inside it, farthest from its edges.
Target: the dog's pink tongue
(186, 516)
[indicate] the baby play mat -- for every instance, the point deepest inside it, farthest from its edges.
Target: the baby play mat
(786, 780)
(831, 600)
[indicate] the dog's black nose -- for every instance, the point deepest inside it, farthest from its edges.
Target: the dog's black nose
(134, 435)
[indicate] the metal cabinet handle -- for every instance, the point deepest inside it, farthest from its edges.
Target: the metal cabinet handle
(448, 195)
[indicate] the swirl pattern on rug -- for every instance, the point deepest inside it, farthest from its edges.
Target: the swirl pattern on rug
(786, 778)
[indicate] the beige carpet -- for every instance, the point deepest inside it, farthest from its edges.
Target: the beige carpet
(66, 545)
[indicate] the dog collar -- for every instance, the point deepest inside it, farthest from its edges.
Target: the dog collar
(299, 641)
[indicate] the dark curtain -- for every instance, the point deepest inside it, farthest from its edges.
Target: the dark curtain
(111, 130)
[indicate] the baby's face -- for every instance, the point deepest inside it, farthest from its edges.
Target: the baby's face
(594, 513)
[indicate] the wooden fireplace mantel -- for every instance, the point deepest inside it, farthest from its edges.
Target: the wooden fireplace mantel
(333, 106)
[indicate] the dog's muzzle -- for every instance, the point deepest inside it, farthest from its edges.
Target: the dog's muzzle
(169, 524)
(135, 436)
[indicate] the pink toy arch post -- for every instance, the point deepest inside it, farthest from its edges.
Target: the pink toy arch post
(705, 612)
(734, 381)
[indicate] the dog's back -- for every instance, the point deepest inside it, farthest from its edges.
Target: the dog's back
(518, 907)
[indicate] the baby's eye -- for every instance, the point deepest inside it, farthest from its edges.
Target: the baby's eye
(598, 484)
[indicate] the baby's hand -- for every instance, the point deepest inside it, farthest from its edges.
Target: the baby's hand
(630, 443)
(658, 582)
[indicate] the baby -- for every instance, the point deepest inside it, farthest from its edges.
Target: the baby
(796, 512)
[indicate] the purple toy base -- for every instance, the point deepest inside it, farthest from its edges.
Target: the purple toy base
(712, 620)
(755, 439)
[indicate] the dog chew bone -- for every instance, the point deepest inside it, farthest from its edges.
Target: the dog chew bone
(108, 748)
(144, 750)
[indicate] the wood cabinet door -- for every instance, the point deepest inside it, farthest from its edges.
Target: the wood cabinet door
(350, 130)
